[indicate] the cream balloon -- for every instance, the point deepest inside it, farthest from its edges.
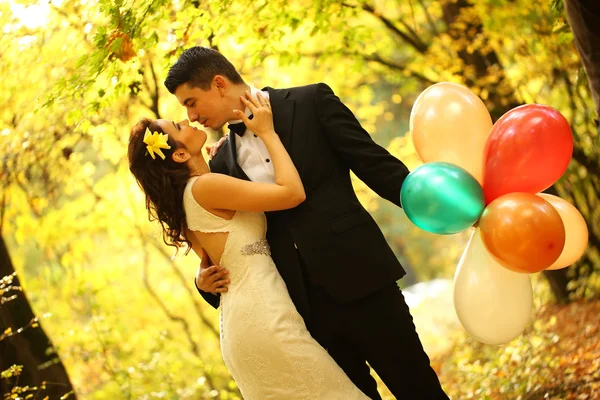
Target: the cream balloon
(450, 123)
(577, 235)
(492, 303)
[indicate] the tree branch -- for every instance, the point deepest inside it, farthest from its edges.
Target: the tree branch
(378, 59)
(155, 95)
(107, 365)
(175, 318)
(190, 293)
(412, 32)
(410, 38)
(434, 29)
(169, 314)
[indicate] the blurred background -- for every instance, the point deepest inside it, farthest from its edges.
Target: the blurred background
(95, 306)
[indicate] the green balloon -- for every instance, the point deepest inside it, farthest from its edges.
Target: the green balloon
(442, 198)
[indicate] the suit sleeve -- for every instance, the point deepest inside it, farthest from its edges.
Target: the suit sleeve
(371, 163)
(212, 299)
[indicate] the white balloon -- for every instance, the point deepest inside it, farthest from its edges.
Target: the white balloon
(492, 303)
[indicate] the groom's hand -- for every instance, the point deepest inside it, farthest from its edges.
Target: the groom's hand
(211, 278)
(212, 150)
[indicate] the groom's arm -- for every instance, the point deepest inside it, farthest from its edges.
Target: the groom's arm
(214, 299)
(371, 163)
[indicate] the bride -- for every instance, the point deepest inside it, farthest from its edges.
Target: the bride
(264, 341)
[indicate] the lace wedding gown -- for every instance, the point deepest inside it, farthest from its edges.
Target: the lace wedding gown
(264, 341)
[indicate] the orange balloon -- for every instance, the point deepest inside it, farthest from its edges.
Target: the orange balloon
(523, 232)
(450, 123)
(576, 231)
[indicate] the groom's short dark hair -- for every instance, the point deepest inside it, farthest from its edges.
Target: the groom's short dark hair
(197, 66)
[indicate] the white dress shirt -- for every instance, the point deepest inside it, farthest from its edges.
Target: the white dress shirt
(252, 154)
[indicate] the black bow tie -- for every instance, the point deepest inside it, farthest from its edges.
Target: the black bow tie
(239, 128)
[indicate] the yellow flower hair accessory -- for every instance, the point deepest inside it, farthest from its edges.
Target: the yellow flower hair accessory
(155, 142)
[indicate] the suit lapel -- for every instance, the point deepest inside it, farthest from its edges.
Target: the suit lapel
(231, 157)
(283, 114)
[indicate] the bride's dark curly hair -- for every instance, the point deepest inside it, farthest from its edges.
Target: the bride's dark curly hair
(163, 182)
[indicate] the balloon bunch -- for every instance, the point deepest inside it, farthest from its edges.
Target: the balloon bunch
(476, 173)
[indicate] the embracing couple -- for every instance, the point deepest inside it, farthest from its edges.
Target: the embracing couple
(304, 279)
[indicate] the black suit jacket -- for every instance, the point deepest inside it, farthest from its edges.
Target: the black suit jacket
(330, 235)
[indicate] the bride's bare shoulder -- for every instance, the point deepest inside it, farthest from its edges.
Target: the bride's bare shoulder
(209, 180)
(209, 185)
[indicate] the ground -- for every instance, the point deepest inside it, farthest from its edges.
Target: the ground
(557, 357)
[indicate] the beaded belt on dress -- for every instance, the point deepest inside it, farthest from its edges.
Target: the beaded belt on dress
(260, 247)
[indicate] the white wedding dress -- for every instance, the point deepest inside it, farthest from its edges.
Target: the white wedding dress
(264, 341)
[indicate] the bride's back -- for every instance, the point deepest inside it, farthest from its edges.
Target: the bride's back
(213, 243)
(218, 231)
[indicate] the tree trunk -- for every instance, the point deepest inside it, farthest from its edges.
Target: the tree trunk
(558, 280)
(30, 348)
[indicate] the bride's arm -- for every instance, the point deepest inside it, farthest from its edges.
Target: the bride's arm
(216, 191)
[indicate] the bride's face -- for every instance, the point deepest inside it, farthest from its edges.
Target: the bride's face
(192, 138)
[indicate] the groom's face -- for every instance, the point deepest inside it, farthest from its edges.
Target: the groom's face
(207, 107)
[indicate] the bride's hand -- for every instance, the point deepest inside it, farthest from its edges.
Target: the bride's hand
(262, 120)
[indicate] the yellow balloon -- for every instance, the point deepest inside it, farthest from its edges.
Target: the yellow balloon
(576, 230)
(492, 303)
(450, 123)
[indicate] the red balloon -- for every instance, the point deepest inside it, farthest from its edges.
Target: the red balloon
(528, 150)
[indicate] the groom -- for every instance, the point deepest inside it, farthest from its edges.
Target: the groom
(339, 270)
